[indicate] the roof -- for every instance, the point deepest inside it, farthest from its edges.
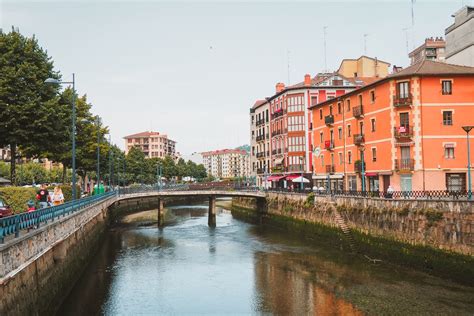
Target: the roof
(144, 134)
(258, 103)
(224, 151)
(423, 68)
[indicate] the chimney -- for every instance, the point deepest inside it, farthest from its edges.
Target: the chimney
(280, 86)
(307, 80)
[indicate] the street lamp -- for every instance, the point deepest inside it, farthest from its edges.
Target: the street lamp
(362, 149)
(57, 82)
(467, 129)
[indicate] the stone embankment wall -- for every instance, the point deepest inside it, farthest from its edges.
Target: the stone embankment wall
(431, 235)
(39, 268)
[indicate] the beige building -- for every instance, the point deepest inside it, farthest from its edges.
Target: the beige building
(260, 140)
(5, 153)
(432, 49)
(227, 163)
(460, 38)
(152, 144)
(363, 66)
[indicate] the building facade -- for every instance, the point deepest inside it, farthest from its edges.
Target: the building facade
(432, 49)
(152, 144)
(227, 163)
(5, 154)
(260, 141)
(460, 38)
(404, 130)
(363, 66)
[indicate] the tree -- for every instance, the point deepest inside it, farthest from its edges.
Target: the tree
(27, 105)
(135, 162)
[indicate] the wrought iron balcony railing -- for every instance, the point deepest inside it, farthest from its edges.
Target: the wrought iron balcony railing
(402, 132)
(359, 139)
(329, 119)
(402, 100)
(358, 111)
(330, 168)
(404, 165)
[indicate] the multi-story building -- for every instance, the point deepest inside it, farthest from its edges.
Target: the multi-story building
(152, 144)
(5, 153)
(363, 67)
(460, 38)
(227, 163)
(431, 49)
(404, 130)
(260, 140)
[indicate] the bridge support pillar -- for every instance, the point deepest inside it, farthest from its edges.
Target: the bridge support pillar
(212, 212)
(161, 213)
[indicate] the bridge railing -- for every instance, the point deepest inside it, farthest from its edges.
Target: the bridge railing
(154, 188)
(12, 225)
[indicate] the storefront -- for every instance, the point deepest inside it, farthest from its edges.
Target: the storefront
(372, 181)
(336, 182)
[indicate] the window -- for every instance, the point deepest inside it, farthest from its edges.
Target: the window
(348, 131)
(360, 99)
(348, 105)
(361, 125)
(447, 117)
(349, 157)
(374, 154)
(330, 110)
(403, 89)
(447, 87)
(456, 181)
(321, 137)
(337, 82)
(339, 108)
(372, 96)
(320, 114)
(372, 125)
(449, 151)
(352, 183)
(314, 100)
(339, 132)
(295, 123)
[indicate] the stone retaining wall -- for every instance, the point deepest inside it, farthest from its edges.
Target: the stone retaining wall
(40, 267)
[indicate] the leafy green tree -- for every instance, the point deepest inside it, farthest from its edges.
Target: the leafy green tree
(4, 170)
(135, 163)
(27, 105)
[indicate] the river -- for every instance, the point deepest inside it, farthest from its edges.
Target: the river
(241, 268)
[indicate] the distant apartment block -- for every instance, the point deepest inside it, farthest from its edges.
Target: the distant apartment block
(432, 49)
(5, 153)
(460, 38)
(227, 163)
(152, 144)
(363, 66)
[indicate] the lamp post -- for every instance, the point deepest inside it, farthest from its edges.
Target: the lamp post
(98, 152)
(302, 170)
(467, 129)
(73, 128)
(362, 149)
(110, 162)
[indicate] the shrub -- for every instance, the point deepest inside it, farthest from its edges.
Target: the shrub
(17, 197)
(309, 200)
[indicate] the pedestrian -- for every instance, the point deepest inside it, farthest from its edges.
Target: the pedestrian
(58, 196)
(390, 191)
(43, 196)
(30, 206)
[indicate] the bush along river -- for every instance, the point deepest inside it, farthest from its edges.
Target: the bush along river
(243, 268)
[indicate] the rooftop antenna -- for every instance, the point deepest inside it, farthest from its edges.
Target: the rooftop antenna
(365, 43)
(325, 52)
(413, 22)
(406, 37)
(288, 57)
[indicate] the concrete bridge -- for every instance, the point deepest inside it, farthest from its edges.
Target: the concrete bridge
(210, 194)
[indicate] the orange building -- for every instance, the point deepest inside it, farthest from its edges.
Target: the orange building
(404, 130)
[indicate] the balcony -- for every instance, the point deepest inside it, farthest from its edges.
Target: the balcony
(260, 154)
(403, 132)
(259, 122)
(358, 166)
(402, 100)
(281, 168)
(260, 170)
(329, 119)
(260, 138)
(359, 139)
(279, 132)
(276, 151)
(330, 169)
(358, 111)
(328, 145)
(278, 113)
(296, 168)
(404, 165)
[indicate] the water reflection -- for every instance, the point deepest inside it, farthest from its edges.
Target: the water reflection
(238, 268)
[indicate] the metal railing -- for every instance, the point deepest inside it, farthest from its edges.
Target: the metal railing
(404, 164)
(407, 195)
(12, 225)
(358, 111)
(329, 119)
(402, 100)
(403, 132)
(330, 168)
(359, 139)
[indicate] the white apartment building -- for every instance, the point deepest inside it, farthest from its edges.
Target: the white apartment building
(260, 140)
(152, 144)
(460, 38)
(227, 163)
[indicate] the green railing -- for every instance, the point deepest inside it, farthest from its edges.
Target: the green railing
(12, 225)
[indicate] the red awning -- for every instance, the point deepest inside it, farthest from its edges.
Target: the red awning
(292, 176)
(371, 174)
(275, 178)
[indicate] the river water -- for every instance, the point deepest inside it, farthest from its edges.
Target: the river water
(241, 268)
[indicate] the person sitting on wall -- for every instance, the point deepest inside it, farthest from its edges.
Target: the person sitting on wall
(390, 191)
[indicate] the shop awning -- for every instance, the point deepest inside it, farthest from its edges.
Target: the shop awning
(275, 178)
(331, 176)
(301, 179)
(292, 176)
(371, 174)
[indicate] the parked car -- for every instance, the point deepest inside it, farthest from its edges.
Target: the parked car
(5, 210)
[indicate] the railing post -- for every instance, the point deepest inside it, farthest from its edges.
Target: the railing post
(17, 226)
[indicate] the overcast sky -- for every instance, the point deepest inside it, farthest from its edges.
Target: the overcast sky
(193, 69)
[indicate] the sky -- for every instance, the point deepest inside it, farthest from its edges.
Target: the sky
(192, 69)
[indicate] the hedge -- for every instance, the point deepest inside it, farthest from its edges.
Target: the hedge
(17, 197)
